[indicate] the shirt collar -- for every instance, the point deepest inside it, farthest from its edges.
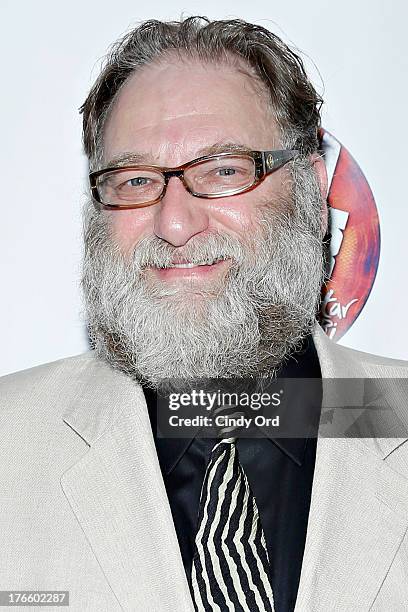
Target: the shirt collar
(304, 363)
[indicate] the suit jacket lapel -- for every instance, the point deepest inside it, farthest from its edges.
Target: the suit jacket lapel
(117, 493)
(358, 513)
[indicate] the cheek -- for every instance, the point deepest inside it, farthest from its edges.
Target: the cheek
(241, 214)
(233, 215)
(127, 227)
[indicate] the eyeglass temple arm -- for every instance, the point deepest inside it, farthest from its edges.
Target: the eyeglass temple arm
(272, 160)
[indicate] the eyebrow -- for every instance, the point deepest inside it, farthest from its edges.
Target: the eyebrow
(124, 159)
(127, 158)
(223, 147)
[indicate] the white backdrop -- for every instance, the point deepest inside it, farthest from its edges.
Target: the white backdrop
(49, 56)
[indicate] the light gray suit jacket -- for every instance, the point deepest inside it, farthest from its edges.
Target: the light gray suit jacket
(84, 507)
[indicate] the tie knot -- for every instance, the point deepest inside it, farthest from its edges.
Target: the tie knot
(226, 442)
(226, 420)
(225, 447)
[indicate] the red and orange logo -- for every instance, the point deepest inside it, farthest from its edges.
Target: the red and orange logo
(355, 239)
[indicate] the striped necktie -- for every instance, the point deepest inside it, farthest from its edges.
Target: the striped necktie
(230, 563)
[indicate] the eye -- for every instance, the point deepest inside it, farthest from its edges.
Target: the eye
(226, 171)
(138, 181)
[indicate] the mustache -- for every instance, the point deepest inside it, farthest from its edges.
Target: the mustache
(155, 252)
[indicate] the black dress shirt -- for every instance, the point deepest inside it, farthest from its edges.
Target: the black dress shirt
(280, 473)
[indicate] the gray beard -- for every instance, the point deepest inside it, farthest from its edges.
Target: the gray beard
(268, 304)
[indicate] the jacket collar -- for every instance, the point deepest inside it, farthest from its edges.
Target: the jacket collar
(346, 372)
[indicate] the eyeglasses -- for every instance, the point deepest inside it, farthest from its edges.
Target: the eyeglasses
(211, 176)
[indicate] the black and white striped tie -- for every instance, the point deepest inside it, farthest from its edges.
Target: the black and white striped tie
(230, 564)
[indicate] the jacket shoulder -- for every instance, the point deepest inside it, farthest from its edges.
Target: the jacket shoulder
(45, 371)
(339, 361)
(372, 359)
(46, 385)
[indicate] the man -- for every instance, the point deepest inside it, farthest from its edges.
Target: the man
(204, 258)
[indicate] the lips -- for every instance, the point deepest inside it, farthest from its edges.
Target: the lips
(186, 265)
(183, 264)
(196, 272)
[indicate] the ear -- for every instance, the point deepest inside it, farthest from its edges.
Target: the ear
(321, 172)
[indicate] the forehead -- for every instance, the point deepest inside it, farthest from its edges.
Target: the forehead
(168, 112)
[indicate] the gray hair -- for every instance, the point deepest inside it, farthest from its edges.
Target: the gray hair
(294, 100)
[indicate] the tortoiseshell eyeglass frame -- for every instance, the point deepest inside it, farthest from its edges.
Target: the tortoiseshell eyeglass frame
(265, 163)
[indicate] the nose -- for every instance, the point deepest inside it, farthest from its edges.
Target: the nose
(179, 216)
